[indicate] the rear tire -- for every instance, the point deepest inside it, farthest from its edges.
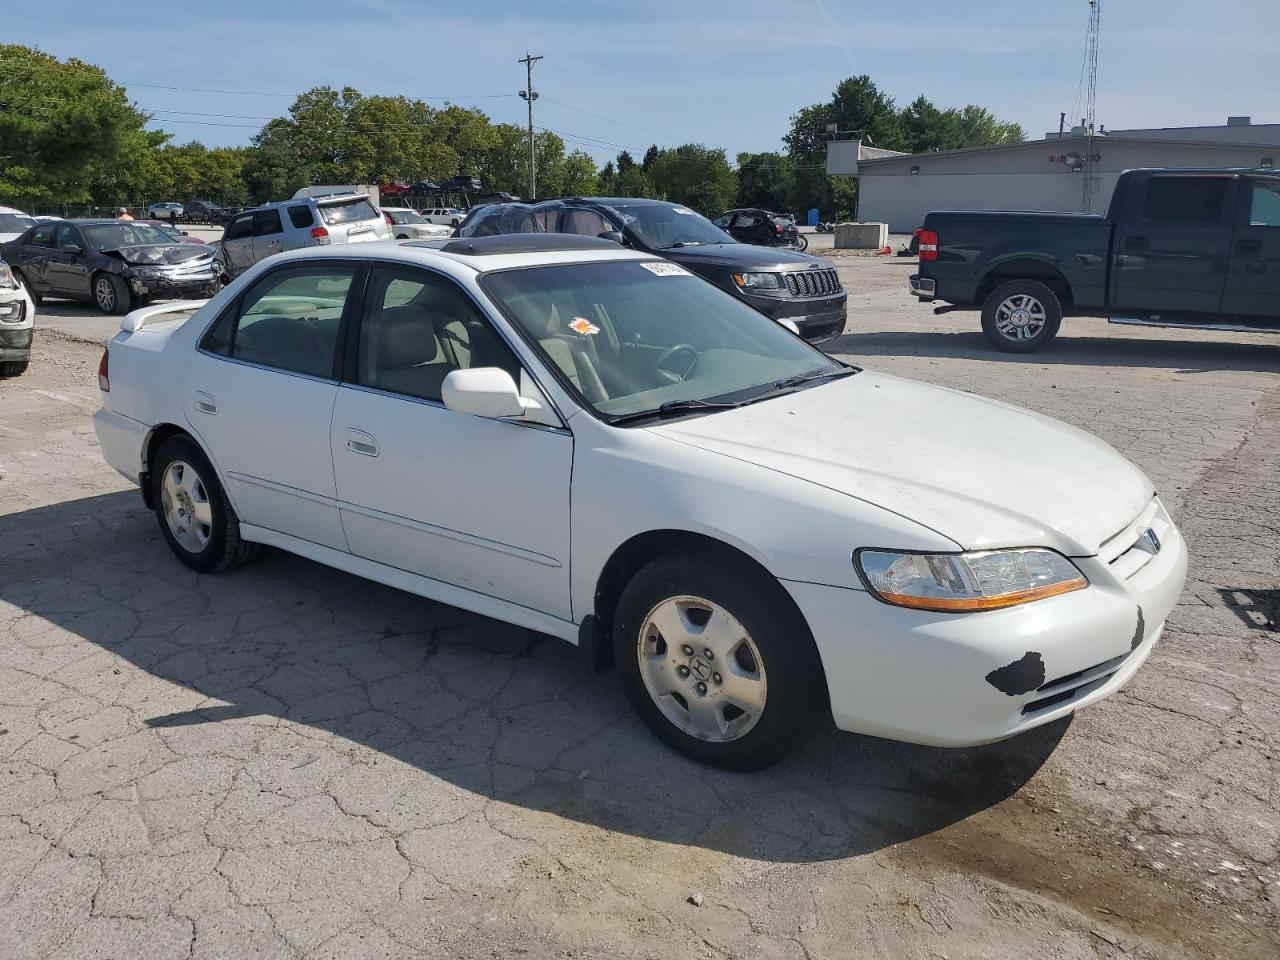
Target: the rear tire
(13, 368)
(111, 294)
(802, 242)
(196, 518)
(1021, 316)
(762, 657)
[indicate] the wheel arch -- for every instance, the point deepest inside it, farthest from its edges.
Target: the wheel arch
(151, 446)
(1026, 268)
(595, 636)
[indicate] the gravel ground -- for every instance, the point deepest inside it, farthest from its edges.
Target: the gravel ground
(290, 762)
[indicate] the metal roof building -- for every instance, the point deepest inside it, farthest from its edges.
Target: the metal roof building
(1069, 173)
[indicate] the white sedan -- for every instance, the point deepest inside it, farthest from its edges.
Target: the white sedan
(593, 443)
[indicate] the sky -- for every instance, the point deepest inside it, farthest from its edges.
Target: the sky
(621, 75)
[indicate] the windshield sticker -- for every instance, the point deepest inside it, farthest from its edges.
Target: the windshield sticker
(583, 326)
(684, 210)
(666, 269)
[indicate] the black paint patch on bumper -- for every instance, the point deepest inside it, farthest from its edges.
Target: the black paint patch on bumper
(1138, 633)
(1021, 676)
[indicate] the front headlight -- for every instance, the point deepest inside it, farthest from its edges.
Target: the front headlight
(6, 276)
(758, 281)
(967, 582)
(145, 273)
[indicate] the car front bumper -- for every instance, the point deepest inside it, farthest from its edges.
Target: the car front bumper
(817, 318)
(956, 680)
(17, 321)
(923, 288)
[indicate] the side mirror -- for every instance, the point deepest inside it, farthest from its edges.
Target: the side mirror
(72, 248)
(483, 392)
(614, 235)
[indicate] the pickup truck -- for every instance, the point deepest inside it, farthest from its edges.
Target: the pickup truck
(1177, 248)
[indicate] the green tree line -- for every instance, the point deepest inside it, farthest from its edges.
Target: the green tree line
(69, 135)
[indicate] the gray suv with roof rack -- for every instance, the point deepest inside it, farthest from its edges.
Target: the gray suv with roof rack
(781, 284)
(283, 225)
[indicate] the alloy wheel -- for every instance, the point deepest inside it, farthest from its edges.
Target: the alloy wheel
(105, 294)
(186, 506)
(1020, 317)
(702, 669)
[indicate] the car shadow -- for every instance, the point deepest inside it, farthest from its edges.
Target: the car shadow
(492, 709)
(1182, 356)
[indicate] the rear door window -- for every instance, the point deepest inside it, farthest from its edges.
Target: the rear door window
(43, 237)
(1264, 208)
(267, 222)
(587, 223)
(1188, 201)
(288, 320)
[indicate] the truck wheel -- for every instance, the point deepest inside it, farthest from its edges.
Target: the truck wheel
(13, 368)
(196, 518)
(718, 664)
(1021, 316)
(111, 294)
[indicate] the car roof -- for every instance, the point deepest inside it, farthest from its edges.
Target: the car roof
(450, 255)
(21, 213)
(622, 201)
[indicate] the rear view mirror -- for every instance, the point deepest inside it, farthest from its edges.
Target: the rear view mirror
(614, 235)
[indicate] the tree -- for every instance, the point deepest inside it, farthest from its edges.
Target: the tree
(67, 133)
(765, 180)
(928, 128)
(695, 176)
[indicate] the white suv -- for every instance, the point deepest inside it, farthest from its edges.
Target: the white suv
(592, 442)
(451, 216)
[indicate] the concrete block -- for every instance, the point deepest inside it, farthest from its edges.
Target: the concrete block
(861, 236)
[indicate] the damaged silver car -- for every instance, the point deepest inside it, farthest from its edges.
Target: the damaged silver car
(115, 264)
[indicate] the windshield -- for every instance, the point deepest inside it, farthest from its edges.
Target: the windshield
(661, 227)
(110, 236)
(15, 222)
(629, 336)
(404, 216)
(173, 233)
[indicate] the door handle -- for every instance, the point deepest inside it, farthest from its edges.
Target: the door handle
(1248, 246)
(205, 404)
(362, 443)
(1136, 243)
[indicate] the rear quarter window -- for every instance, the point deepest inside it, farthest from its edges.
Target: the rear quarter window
(300, 216)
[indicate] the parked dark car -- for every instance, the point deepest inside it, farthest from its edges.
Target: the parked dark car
(782, 284)
(1184, 248)
(113, 263)
(227, 214)
(762, 227)
(201, 211)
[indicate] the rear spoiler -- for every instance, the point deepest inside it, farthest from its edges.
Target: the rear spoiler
(138, 319)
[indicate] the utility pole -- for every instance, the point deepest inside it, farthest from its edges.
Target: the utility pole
(528, 94)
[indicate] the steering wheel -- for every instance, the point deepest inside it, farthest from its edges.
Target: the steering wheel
(681, 371)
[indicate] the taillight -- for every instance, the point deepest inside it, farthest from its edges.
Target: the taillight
(387, 217)
(777, 229)
(104, 380)
(928, 245)
(320, 234)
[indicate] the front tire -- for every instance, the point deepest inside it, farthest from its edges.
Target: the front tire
(111, 294)
(802, 242)
(717, 661)
(13, 368)
(196, 518)
(1021, 316)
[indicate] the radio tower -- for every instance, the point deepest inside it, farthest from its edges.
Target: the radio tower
(1090, 178)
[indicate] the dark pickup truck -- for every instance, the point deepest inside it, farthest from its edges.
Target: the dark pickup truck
(1177, 248)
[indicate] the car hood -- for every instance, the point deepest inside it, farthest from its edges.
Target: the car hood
(744, 256)
(981, 473)
(152, 253)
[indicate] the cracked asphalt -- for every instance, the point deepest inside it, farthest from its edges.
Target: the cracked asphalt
(289, 762)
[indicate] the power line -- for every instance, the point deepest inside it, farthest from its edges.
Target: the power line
(601, 116)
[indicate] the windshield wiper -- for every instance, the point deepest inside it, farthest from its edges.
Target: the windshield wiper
(674, 408)
(788, 382)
